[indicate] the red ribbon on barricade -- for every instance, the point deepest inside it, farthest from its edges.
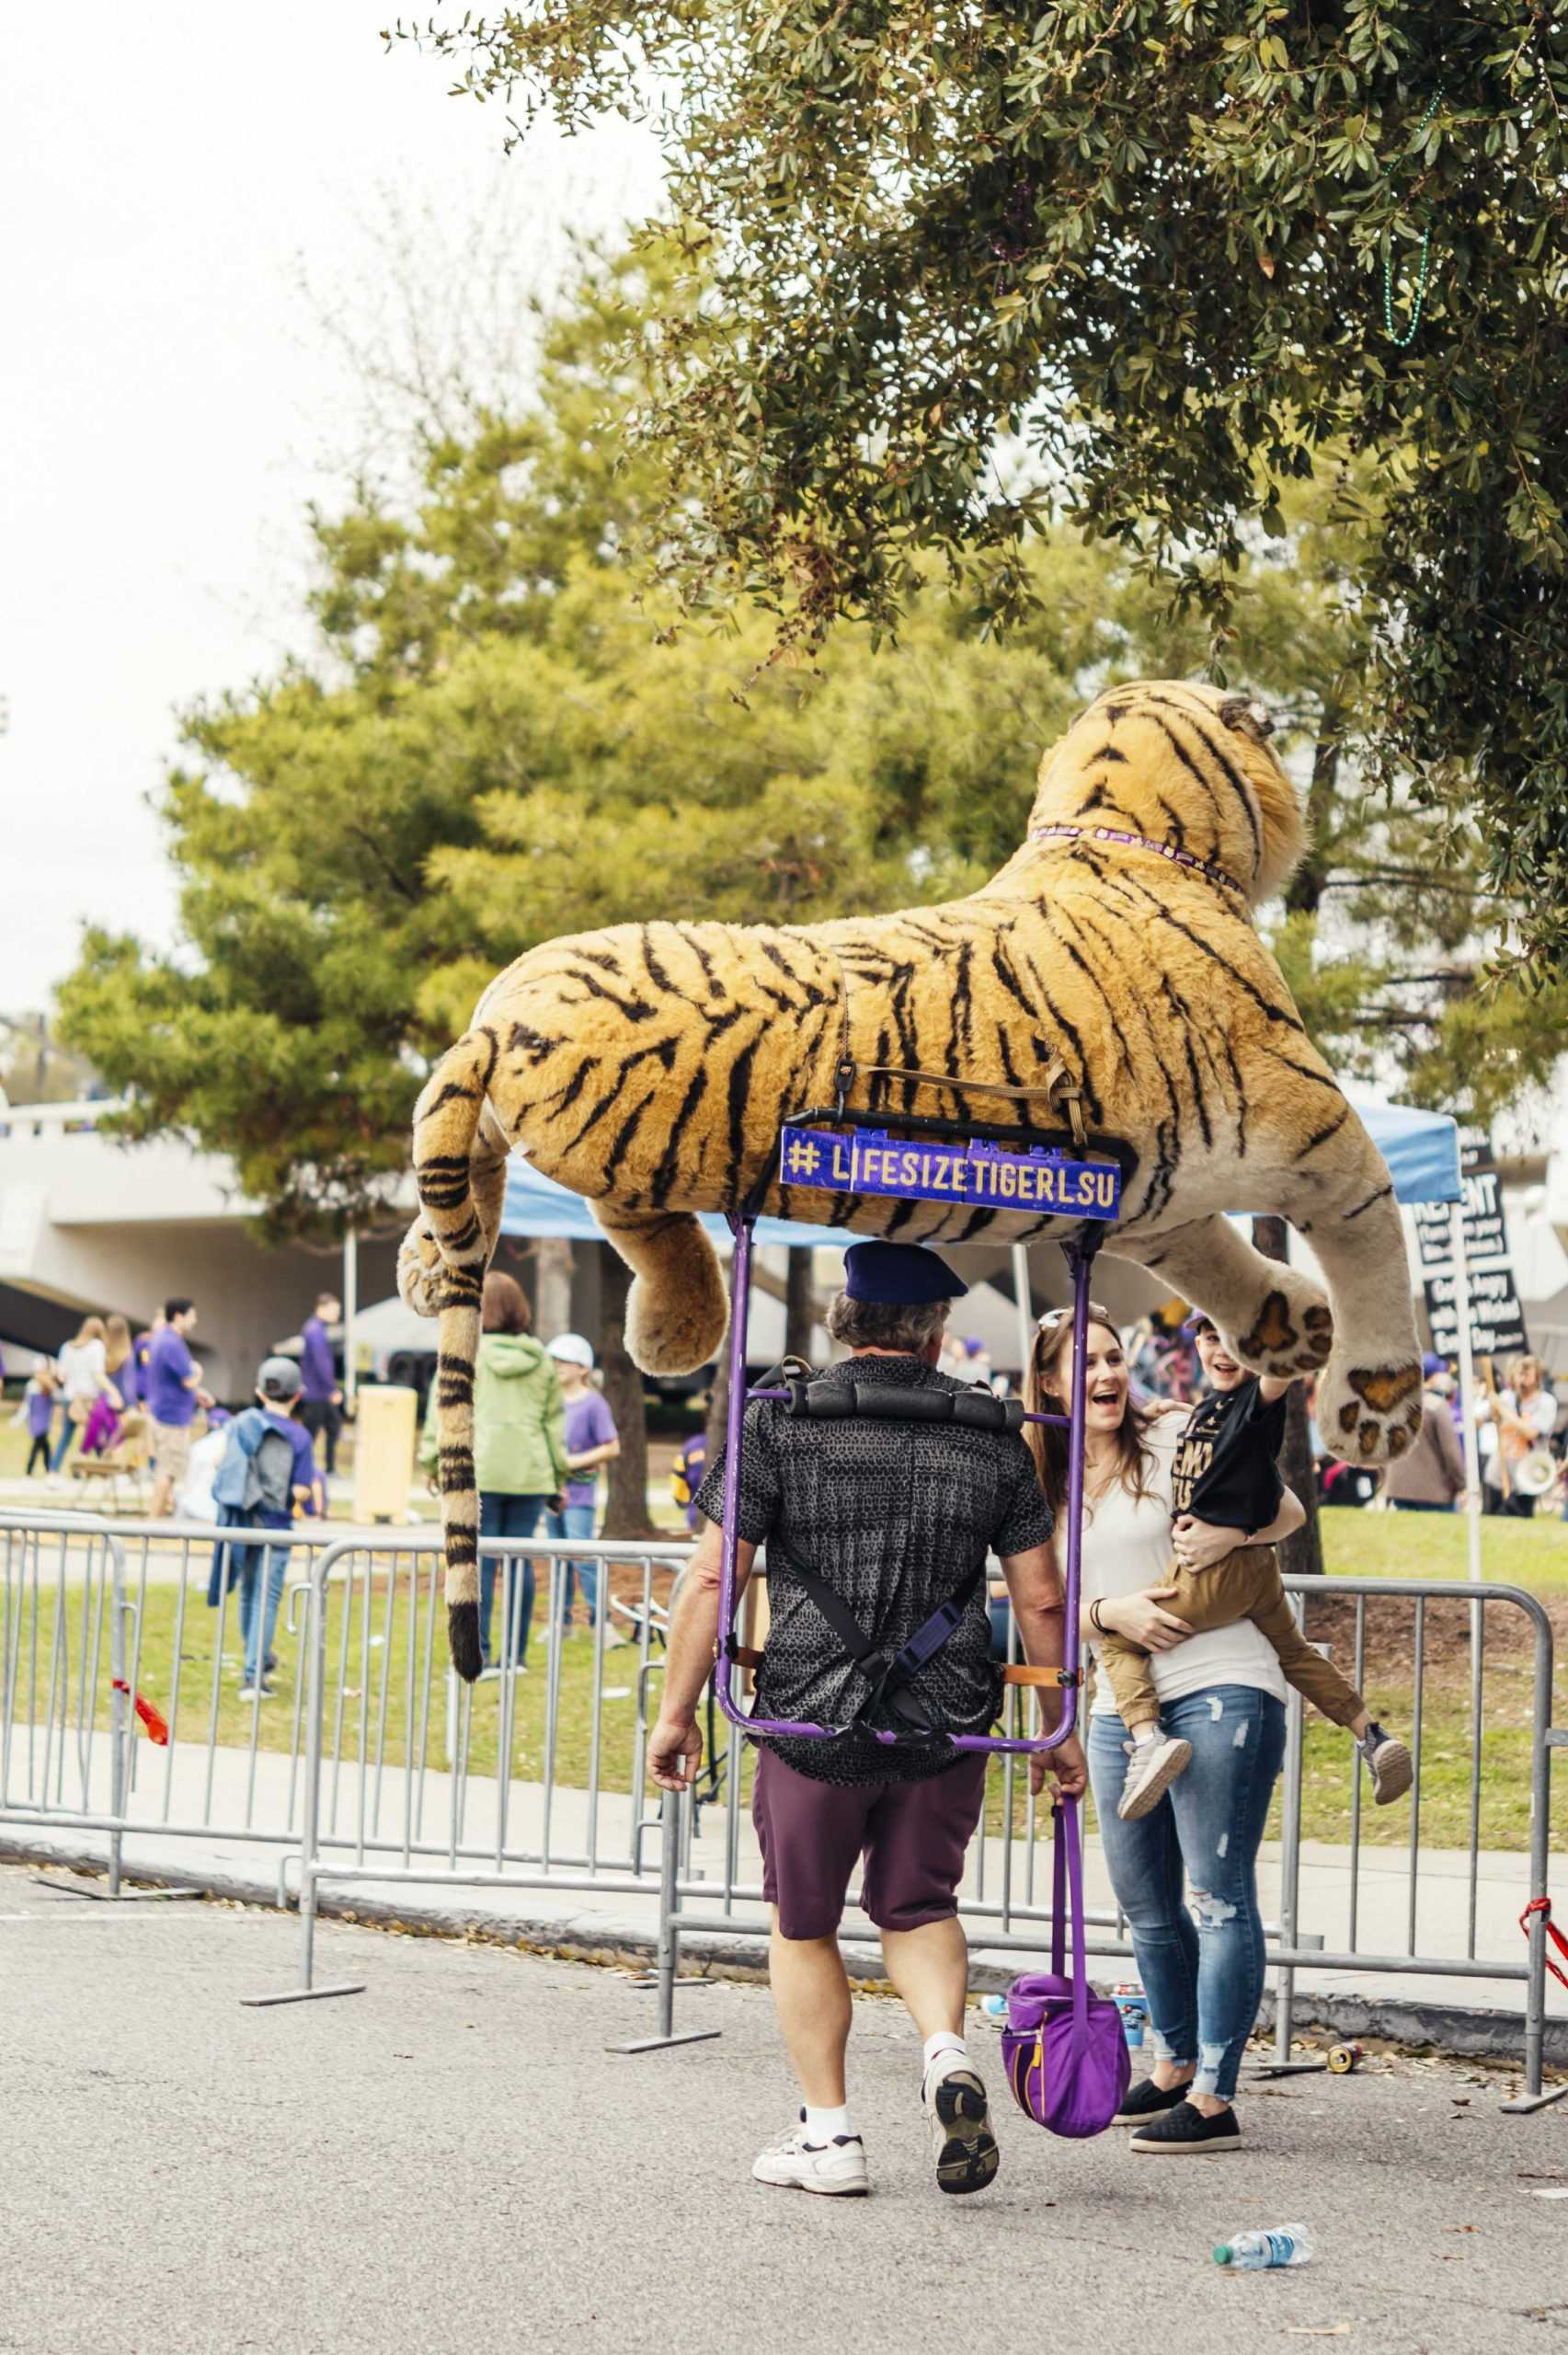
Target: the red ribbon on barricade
(157, 1725)
(1543, 1905)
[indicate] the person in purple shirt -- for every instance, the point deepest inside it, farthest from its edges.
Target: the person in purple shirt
(321, 1400)
(37, 1410)
(171, 1393)
(592, 1439)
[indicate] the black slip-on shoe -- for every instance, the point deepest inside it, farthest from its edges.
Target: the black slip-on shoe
(966, 2156)
(1184, 2132)
(1145, 2100)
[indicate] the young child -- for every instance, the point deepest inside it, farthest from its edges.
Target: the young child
(37, 1410)
(1227, 1474)
(268, 1468)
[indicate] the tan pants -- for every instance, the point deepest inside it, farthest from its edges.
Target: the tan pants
(1245, 1585)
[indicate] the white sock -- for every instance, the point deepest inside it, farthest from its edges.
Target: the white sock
(821, 2125)
(1141, 1734)
(938, 2047)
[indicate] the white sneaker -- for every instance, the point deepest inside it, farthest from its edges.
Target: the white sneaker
(837, 2168)
(1152, 1768)
(955, 2102)
(255, 1692)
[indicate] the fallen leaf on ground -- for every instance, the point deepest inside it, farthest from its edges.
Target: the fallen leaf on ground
(1318, 2330)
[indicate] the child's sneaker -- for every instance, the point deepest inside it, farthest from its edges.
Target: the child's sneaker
(1152, 1768)
(1388, 1762)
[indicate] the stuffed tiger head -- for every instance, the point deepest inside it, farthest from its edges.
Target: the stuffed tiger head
(1182, 763)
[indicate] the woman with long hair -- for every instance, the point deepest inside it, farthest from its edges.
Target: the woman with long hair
(83, 1378)
(519, 1449)
(102, 1431)
(1222, 1691)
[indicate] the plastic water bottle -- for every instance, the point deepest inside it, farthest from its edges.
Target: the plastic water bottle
(1130, 2000)
(1259, 2252)
(995, 2008)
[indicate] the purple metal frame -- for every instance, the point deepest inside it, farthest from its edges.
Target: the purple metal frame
(1080, 1259)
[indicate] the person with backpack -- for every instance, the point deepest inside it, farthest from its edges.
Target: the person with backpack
(269, 1468)
(877, 1533)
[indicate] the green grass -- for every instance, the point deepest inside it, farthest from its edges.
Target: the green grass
(1533, 1555)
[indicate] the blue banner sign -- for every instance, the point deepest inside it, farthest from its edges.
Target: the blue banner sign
(984, 1175)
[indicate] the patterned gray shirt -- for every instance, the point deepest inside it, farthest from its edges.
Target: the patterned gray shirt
(892, 1516)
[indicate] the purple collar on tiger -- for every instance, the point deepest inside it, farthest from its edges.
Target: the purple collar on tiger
(1142, 841)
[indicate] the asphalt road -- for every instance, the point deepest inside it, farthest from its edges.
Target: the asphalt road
(453, 2160)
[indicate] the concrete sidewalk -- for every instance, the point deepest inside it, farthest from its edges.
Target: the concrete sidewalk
(453, 2160)
(265, 1790)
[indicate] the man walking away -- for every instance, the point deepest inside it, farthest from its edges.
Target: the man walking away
(890, 1519)
(172, 1393)
(321, 1400)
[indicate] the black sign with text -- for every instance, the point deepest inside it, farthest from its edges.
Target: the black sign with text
(1497, 1314)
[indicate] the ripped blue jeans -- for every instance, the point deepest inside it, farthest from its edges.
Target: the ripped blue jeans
(1202, 1969)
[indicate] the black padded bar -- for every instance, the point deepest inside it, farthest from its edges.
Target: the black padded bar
(832, 1402)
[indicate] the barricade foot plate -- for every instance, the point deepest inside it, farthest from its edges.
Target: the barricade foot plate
(661, 2043)
(305, 1994)
(102, 1891)
(1526, 2102)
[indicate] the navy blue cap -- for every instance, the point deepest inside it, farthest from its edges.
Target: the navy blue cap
(900, 1275)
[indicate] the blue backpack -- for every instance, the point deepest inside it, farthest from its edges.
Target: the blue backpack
(256, 1471)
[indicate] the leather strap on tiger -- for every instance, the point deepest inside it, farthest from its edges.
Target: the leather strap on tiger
(1060, 1093)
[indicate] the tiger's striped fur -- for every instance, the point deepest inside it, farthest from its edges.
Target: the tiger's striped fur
(649, 1066)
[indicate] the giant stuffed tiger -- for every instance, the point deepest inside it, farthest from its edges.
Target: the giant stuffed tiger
(649, 1067)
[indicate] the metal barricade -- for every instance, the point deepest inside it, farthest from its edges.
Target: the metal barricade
(108, 1605)
(382, 1768)
(543, 1786)
(380, 1764)
(1001, 1907)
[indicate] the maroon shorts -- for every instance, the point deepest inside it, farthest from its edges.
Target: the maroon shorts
(913, 1836)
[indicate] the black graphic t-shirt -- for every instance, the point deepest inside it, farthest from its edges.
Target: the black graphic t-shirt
(1226, 1469)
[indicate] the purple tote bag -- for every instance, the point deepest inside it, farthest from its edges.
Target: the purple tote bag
(1064, 2048)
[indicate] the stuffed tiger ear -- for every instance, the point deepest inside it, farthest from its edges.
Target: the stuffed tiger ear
(1251, 718)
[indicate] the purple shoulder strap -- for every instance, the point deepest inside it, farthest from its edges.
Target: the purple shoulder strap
(1066, 1880)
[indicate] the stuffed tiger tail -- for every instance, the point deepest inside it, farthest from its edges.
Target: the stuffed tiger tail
(460, 1170)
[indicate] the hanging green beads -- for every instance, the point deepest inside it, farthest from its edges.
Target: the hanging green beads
(1403, 343)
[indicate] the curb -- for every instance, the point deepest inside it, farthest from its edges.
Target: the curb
(1461, 2031)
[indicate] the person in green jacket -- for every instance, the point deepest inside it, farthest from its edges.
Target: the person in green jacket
(520, 1448)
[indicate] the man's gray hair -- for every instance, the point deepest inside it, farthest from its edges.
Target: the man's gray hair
(886, 1325)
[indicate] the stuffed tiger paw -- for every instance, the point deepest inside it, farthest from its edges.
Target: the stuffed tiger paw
(1291, 1332)
(1370, 1413)
(674, 1328)
(421, 1272)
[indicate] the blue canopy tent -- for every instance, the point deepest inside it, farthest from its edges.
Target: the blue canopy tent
(1422, 1149)
(535, 1205)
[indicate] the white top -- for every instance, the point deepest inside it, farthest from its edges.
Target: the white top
(83, 1370)
(1539, 1410)
(1126, 1546)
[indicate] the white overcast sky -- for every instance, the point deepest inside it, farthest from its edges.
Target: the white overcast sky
(169, 405)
